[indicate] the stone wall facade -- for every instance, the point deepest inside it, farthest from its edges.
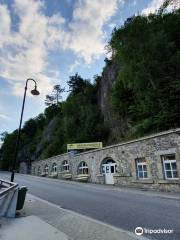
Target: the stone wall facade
(23, 167)
(160, 153)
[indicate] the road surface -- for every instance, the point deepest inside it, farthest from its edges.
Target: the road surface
(120, 208)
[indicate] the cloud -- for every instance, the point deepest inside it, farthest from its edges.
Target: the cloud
(24, 53)
(87, 38)
(4, 117)
(173, 5)
(153, 6)
(74, 66)
(25, 50)
(5, 25)
(85, 35)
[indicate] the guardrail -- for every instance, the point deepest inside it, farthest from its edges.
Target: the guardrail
(8, 198)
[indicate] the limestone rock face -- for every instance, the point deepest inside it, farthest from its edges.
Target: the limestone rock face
(116, 124)
(46, 136)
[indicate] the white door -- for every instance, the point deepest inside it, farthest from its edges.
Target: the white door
(109, 170)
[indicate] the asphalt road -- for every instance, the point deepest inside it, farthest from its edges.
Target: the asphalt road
(120, 208)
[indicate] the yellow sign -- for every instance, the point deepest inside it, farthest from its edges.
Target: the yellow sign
(75, 146)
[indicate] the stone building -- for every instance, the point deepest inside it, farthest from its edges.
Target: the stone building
(151, 162)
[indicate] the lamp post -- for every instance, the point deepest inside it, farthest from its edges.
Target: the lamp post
(33, 92)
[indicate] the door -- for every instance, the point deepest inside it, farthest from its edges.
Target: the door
(108, 171)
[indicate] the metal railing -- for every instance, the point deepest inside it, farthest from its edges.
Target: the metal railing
(6, 186)
(8, 198)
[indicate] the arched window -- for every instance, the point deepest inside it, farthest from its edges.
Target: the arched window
(108, 165)
(83, 168)
(65, 166)
(39, 170)
(54, 168)
(46, 169)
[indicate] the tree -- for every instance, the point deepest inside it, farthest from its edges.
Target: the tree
(7, 150)
(145, 93)
(76, 84)
(30, 127)
(174, 3)
(3, 135)
(51, 112)
(49, 100)
(147, 89)
(57, 92)
(55, 96)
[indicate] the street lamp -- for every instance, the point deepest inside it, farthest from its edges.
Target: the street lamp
(33, 92)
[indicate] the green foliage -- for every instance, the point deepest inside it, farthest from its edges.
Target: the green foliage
(76, 84)
(78, 119)
(51, 112)
(30, 128)
(146, 93)
(3, 135)
(147, 90)
(55, 96)
(7, 150)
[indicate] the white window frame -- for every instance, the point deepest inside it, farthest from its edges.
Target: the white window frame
(39, 170)
(65, 166)
(83, 168)
(103, 168)
(170, 161)
(54, 168)
(46, 169)
(141, 162)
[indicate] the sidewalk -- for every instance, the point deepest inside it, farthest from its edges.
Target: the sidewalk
(29, 228)
(43, 220)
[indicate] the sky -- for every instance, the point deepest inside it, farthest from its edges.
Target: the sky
(50, 40)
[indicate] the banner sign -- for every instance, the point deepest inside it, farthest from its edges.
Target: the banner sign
(91, 145)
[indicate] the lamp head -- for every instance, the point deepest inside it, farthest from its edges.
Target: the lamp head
(35, 91)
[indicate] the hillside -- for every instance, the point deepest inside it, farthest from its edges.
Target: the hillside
(137, 94)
